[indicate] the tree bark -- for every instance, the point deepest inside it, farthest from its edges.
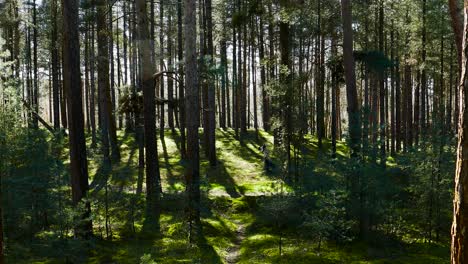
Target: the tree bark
(192, 171)
(72, 84)
(456, 22)
(210, 112)
(350, 77)
(108, 128)
(146, 75)
(180, 56)
(459, 252)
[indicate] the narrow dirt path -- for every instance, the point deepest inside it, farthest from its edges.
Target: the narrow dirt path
(234, 252)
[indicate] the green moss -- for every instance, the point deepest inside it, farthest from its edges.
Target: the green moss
(230, 200)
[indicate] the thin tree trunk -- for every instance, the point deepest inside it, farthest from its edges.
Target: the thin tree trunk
(382, 90)
(181, 80)
(211, 88)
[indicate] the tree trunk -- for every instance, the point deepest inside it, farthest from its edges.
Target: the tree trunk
(459, 252)
(162, 125)
(265, 96)
(211, 88)
(192, 171)
(55, 62)
(170, 81)
(456, 21)
(350, 77)
(146, 75)
(180, 56)
(108, 128)
(320, 82)
(382, 89)
(72, 84)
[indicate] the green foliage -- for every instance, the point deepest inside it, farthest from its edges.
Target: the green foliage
(146, 259)
(327, 221)
(375, 60)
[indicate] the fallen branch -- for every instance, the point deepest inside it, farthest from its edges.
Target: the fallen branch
(36, 115)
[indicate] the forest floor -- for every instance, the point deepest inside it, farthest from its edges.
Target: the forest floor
(238, 226)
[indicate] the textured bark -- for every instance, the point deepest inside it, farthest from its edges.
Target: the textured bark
(459, 252)
(192, 171)
(180, 55)
(161, 66)
(350, 77)
(153, 184)
(72, 84)
(211, 87)
(382, 89)
(35, 97)
(392, 98)
(224, 87)
(320, 72)
(170, 81)
(457, 26)
(423, 123)
(265, 96)
(55, 62)
(108, 127)
(286, 83)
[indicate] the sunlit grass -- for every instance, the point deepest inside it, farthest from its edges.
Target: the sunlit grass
(230, 195)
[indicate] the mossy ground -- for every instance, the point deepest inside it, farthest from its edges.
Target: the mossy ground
(230, 198)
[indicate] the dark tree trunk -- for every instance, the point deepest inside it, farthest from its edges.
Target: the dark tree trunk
(382, 89)
(265, 96)
(350, 77)
(162, 124)
(457, 26)
(170, 81)
(108, 128)
(72, 84)
(55, 62)
(153, 185)
(211, 88)
(459, 252)
(181, 84)
(192, 171)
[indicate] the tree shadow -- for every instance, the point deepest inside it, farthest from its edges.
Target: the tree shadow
(101, 177)
(175, 169)
(221, 176)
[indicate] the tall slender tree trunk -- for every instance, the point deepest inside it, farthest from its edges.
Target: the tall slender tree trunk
(153, 184)
(92, 101)
(320, 86)
(211, 88)
(265, 96)
(161, 67)
(423, 124)
(224, 80)
(382, 90)
(459, 251)
(457, 26)
(192, 171)
(55, 62)
(72, 83)
(286, 82)
(170, 81)
(181, 83)
(108, 131)
(35, 89)
(350, 77)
